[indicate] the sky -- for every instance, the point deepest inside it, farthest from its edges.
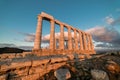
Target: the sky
(100, 18)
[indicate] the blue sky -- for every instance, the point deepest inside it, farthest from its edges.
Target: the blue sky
(19, 17)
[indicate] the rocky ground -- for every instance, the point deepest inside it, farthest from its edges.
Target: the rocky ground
(30, 66)
(99, 67)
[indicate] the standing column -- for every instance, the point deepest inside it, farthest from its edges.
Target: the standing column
(81, 42)
(92, 47)
(84, 40)
(37, 42)
(88, 38)
(61, 37)
(76, 40)
(69, 39)
(52, 35)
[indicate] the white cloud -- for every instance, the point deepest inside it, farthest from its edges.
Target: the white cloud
(29, 37)
(105, 34)
(109, 20)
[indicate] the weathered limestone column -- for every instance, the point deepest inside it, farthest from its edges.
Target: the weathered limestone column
(84, 40)
(88, 37)
(52, 35)
(76, 40)
(61, 37)
(92, 47)
(69, 39)
(37, 42)
(81, 42)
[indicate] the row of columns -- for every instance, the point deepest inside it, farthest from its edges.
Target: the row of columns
(85, 40)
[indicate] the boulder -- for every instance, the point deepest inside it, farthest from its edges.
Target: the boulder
(99, 75)
(62, 74)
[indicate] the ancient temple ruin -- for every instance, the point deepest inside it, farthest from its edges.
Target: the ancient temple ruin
(82, 41)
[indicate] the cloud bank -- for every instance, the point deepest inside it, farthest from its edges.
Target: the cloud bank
(99, 33)
(104, 34)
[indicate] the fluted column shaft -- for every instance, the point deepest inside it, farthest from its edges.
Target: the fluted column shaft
(81, 41)
(61, 37)
(37, 42)
(92, 47)
(84, 40)
(76, 40)
(52, 35)
(69, 39)
(88, 37)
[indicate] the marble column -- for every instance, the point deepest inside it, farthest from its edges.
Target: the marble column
(81, 41)
(88, 37)
(37, 42)
(52, 35)
(76, 39)
(61, 37)
(92, 47)
(69, 39)
(84, 40)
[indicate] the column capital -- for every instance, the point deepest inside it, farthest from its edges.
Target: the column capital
(69, 28)
(61, 24)
(52, 20)
(39, 18)
(43, 14)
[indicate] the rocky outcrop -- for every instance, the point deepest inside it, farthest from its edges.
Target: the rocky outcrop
(30, 66)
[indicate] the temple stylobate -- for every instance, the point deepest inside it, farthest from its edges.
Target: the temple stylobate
(80, 42)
